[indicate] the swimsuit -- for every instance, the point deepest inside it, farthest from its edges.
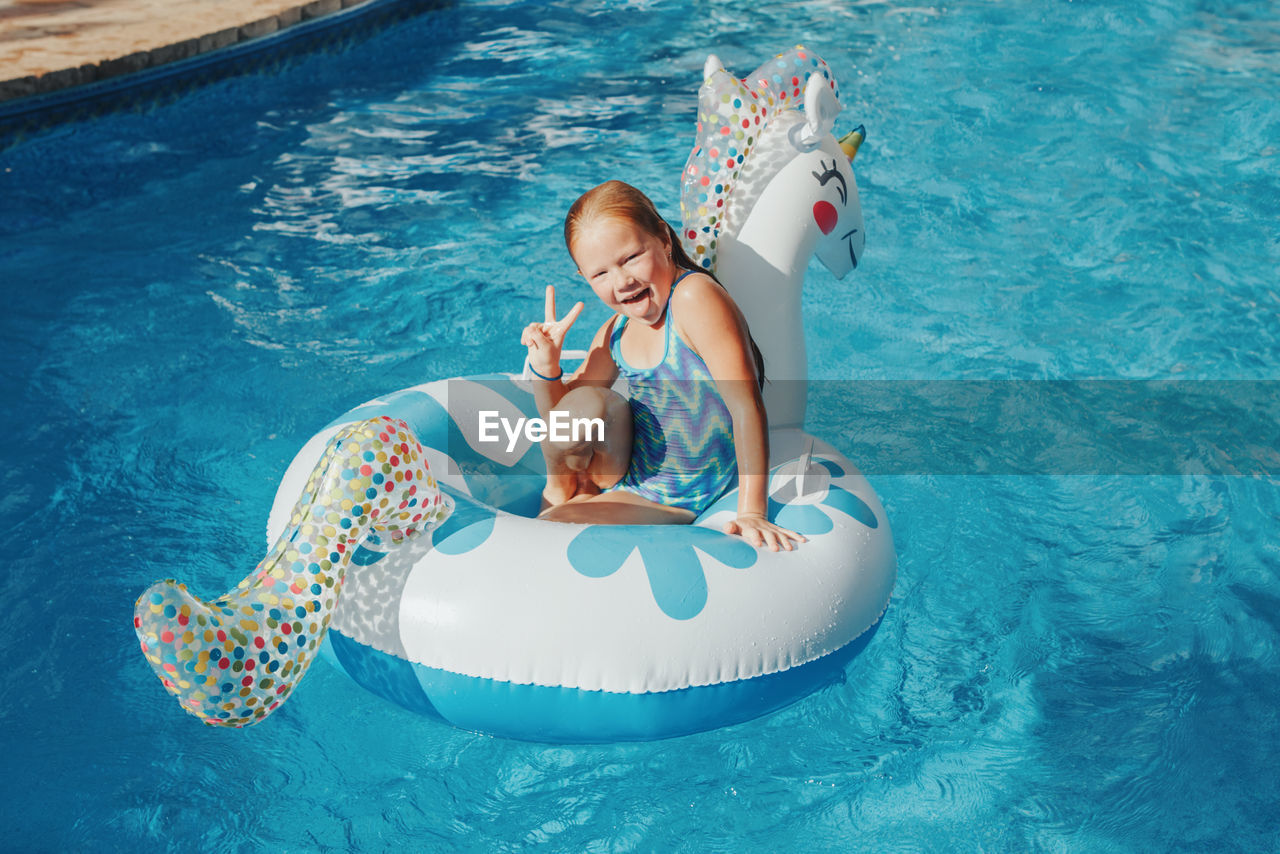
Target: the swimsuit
(682, 452)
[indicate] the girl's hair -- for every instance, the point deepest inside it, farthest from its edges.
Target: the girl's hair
(621, 201)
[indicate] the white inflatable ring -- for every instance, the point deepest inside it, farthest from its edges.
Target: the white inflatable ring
(549, 631)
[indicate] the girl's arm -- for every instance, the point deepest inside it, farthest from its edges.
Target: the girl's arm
(545, 341)
(714, 326)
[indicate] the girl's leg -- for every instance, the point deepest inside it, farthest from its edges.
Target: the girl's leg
(582, 470)
(617, 508)
(590, 464)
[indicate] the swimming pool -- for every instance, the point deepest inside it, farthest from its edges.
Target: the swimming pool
(1053, 191)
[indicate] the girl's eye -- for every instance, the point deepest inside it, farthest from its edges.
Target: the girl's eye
(829, 172)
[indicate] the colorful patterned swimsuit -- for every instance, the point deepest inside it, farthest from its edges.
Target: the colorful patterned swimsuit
(682, 452)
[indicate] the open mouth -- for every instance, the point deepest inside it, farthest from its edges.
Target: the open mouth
(635, 298)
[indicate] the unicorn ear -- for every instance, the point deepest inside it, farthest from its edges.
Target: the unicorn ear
(820, 110)
(711, 66)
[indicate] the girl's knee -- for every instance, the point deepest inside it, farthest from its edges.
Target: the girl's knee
(601, 455)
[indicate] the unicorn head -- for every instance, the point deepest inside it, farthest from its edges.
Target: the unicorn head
(773, 129)
(766, 187)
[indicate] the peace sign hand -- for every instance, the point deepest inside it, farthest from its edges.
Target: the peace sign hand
(545, 339)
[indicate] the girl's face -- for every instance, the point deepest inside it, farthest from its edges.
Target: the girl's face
(628, 268)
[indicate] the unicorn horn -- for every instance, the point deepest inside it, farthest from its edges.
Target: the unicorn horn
(850, 142)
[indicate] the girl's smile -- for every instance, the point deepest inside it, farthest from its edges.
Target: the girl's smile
(630, 270)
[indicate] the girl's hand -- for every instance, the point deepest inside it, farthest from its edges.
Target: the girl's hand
(759, 531)
(546, 339)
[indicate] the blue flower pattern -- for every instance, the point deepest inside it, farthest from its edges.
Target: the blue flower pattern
(671, 562)
(809, 520)
(670, 558)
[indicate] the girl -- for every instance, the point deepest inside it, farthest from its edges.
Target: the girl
(683, 346)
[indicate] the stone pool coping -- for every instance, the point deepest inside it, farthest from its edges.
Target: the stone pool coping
(48, 46)
(90, 58)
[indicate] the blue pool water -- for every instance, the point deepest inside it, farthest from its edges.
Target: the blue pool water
(1062, 190)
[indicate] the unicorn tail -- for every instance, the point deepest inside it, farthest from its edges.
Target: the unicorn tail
(234, 660)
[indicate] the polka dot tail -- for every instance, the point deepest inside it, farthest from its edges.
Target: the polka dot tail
(234, 660)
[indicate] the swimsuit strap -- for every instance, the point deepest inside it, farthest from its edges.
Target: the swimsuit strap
(671, 324)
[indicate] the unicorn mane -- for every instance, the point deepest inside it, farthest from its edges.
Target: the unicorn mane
(742, 124)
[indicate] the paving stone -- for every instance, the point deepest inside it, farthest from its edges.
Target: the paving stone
(263, 27)
(320, 7)
(222, 38)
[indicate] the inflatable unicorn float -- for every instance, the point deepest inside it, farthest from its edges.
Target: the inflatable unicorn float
(413, 562)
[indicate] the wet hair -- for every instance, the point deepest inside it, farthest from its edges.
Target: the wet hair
(621, 201)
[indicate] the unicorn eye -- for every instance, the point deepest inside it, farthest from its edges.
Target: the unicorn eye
(827, 174)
